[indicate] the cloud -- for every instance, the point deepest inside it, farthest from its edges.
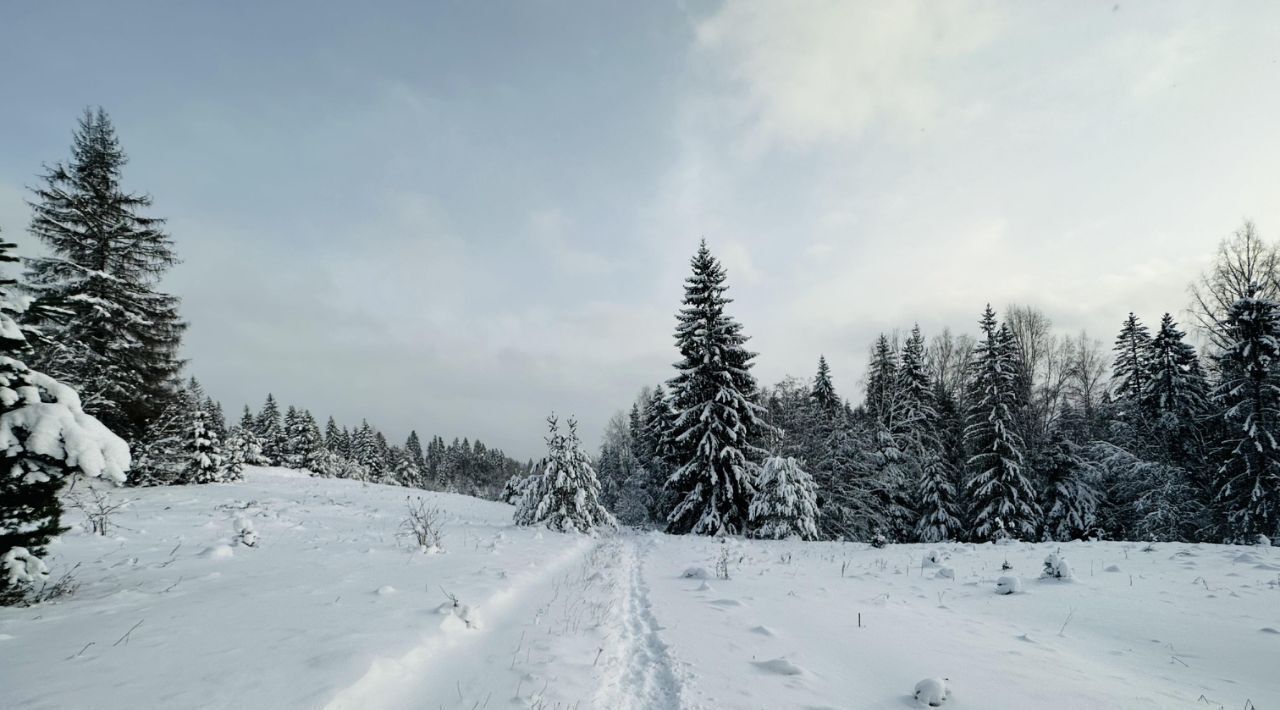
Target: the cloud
(828, 70)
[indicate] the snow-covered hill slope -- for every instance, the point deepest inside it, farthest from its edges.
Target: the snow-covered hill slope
(331, 609)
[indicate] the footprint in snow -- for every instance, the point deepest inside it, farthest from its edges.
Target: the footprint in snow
(779, 666)
(766, 631)
(1269, 630)
(726, 602)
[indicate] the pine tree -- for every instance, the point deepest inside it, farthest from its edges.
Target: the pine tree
(41, 423)
(1070, 503)
(270, 432)
(565, 496)
(785, 503)
(1132, 349)
(247, 422)
(1248, 398)
(717, 418)
(1001, 496)
(117, 337)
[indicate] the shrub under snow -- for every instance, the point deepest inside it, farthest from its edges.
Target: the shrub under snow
(1056, 567)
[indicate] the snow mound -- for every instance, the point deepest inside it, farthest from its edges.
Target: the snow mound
(385, 590)
(945, 573)
(1112, 568)
(935, 558)
(1008, 585)
(766, 631)
(218, 552)
(696, 573)
(932, 692)
(778, 666)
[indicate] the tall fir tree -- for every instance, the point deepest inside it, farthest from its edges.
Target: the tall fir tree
(116, 337)
(1003, 502)
(717, 420)
(1248, 398)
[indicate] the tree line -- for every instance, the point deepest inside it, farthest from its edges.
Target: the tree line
(1014, 431)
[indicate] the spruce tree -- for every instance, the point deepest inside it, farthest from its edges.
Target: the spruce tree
(822, 394)
(291, 451)
(717, 420)
(1174, 385)
(882, 384)
(205, 463)
(1003, 503)
(1132, 349)
(565, 495)
(785, 504)
(939, 518)
(41, 425)
(1248, 399)
(115, 337)
(1070, 503)
(270, 432)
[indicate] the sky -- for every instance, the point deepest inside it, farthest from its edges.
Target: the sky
(457, 217)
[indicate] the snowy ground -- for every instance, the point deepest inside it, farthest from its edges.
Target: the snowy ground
(332, 610)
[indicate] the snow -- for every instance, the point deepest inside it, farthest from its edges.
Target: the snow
(332, 610)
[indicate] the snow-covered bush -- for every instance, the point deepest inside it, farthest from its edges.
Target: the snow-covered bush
(565, 494)
(1008, 585)
(932, 692)
(1056, 567)
(245, 533)
(879, 541)
(20, 567)
(786, 503)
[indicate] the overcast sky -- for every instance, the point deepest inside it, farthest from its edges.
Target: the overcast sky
(459, 216)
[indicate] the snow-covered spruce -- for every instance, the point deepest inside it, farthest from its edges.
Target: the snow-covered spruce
(564, 494)
(1000, 495)
(717, 420)
(206, 464)
(785, 504)
(45, 437)
(1248, 399)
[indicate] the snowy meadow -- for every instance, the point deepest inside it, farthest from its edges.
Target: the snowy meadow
(332, 607)
(714, 355)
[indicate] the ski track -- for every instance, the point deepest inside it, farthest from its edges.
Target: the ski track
(643, 676)
(432, 673)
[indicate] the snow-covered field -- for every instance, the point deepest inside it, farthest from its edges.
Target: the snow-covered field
(333, 610)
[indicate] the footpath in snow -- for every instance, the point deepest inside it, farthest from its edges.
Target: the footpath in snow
(334, 609)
